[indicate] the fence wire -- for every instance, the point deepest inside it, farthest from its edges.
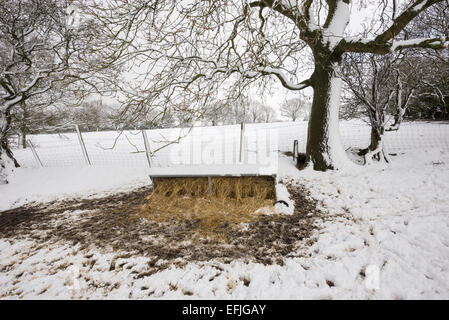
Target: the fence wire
(221, 143)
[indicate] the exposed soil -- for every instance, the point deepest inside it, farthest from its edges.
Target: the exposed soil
(107, 223)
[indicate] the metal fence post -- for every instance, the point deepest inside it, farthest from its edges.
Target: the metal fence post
(241, 142)
(209, 181)
(82, 145)
(147, 147)
(36, 157)
(295, 149)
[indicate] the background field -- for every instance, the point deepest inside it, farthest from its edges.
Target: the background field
(64, 149)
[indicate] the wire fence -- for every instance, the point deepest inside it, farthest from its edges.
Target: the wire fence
(206, 145)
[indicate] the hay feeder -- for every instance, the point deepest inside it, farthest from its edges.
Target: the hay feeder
(242, 186)
(214, 197)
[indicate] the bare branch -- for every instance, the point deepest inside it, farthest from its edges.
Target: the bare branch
(383, 43)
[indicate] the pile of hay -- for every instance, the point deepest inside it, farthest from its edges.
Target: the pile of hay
(234, 200)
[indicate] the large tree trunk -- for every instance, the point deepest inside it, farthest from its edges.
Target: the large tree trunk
(23, 126)
(7, 160)
(23, 133)
(7, 164)
(324, 147)
(376, 137)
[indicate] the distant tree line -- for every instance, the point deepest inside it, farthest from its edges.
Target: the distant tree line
(33, 117)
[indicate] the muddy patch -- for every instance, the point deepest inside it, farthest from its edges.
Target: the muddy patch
(108, 223)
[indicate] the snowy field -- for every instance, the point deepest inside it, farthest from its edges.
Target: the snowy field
(385, 236)
(63, 150)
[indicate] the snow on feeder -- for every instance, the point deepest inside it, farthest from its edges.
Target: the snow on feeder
(239, 187)
(212, 196)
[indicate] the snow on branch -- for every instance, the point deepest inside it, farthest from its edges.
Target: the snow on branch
(433, 43)
(371, 46)
(336, 22)
(250, 74)
(284, 80)
(385, 43)
(404, 18)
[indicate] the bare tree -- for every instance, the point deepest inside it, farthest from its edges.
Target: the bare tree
(404, 93)
(39, 113)
(268, 114)
(36, 47)
(93, 115)
(46, 53)
(242, 110)
(34, 117)
(294, 108)
(191, 49)
(216, 112)
(256, 112)
(385, 87)
(379, 87)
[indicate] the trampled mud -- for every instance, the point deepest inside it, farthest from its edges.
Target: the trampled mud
(108, 223)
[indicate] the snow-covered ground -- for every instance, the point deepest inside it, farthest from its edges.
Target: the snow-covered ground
(388, 239)
(63, 150)
(48, 184)
(395, 226)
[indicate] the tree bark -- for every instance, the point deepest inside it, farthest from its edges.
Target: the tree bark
(324, 147)
(374, 141)
(375, 138)
(6, 155)
(23, 125)
(376, 148)
(23, 134)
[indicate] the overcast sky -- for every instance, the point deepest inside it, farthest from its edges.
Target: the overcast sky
(363, 11)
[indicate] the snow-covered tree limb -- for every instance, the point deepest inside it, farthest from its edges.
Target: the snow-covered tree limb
(36, 47)
(384, 43)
